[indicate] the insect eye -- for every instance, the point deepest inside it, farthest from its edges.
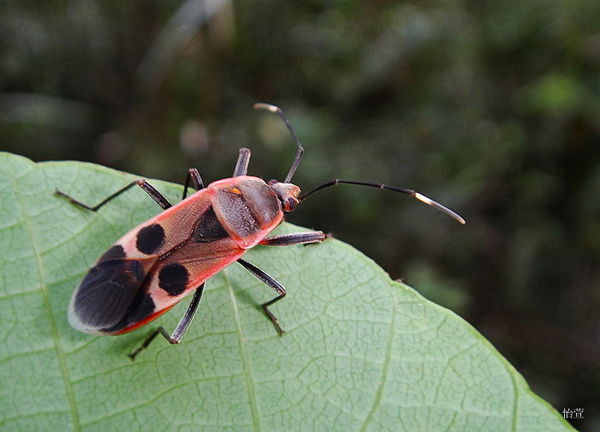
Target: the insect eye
(290, 204)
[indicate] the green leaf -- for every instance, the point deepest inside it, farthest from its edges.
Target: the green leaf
(361, 352)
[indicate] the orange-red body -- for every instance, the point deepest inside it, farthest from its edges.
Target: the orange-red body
(155, 265)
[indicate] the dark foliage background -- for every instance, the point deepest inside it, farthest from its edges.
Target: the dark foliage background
(491, 107)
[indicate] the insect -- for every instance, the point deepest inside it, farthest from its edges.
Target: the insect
(172, 255)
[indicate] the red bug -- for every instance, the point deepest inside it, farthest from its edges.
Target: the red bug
(152, 267)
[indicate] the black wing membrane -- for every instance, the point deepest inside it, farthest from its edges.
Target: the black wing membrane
(108, 290)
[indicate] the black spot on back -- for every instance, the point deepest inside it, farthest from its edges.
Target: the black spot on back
(209, 228)
(173, 278)
(114, 252)
(150, 238)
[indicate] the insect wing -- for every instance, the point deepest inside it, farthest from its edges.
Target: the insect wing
(107, 292)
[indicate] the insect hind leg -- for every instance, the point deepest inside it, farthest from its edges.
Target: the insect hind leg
(160, 330)
(146, 187)
(175, 337)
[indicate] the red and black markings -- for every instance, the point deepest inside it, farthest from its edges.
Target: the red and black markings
(151, 268)
(173, 278)
(208, 228)
(150, 238)
(114, 252)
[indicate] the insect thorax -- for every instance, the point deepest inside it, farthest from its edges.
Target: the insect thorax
(247, 207)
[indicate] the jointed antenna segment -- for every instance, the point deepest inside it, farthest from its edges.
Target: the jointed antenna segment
(410, 192)
(300, 151)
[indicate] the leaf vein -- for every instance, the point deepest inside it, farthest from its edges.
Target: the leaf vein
(50, 316)
(245, 357)
(384, 369)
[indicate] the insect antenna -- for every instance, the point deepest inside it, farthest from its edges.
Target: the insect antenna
(300, 151)
(410, 192)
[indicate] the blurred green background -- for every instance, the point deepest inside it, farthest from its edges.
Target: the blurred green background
(491, 107)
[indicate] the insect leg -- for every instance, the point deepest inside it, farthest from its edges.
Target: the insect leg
(294, 239)
(177, 335)
(241, 166)
(280, 289)
(147, 187)
(186, 320)
(194, 176)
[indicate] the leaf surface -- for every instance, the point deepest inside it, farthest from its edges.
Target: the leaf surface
(361, 352)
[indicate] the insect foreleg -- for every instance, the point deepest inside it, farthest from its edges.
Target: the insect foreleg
(177, 335)
(295, 239)
(280, 289)
(147, 187)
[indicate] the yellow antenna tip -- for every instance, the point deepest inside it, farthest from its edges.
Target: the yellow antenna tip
(269, 107)
(440, 207)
